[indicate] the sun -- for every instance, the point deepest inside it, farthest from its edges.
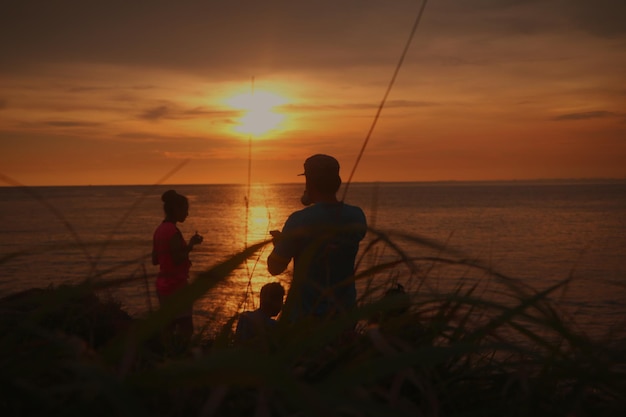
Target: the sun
(259, 114)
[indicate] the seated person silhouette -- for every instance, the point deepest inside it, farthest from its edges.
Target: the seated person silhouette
(253, 327)
(395, 319)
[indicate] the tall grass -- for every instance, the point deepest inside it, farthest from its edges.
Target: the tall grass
(484, 345)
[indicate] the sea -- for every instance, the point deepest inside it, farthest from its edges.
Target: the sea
(535, 233)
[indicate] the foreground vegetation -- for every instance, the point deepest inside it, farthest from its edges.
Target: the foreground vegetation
(447, 352)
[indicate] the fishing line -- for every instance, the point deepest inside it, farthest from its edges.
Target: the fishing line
(147, 286)
(31, 191)
(94, 261)
(247, 198)
(131, 209)
(384, 100)
(123, 219)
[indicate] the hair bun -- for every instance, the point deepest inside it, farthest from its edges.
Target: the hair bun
(169, 195)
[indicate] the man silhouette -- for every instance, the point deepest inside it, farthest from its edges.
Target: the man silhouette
(323, 241)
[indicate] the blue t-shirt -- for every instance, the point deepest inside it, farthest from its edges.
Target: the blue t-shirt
(323, 240)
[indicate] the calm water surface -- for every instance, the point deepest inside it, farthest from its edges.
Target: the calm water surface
(537, 232)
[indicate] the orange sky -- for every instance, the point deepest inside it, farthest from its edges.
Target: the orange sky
(123, 92)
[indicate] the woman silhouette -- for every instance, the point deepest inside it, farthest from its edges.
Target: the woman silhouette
(171, 252)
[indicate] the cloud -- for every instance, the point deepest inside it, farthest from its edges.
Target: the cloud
(87, 89)
(156, 113)
(599, 114)
(68, 123)
(209, 154)
(202, 111)
(142, 137)
(207, 35)
(173, 112)
(600, 17)
(176, 140)
(408, 104)
(95, 88)
(357, 106)
(232, 39)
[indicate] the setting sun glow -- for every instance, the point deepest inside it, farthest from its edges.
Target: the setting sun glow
(259, 115)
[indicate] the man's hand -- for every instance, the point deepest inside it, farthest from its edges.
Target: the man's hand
(277, 235)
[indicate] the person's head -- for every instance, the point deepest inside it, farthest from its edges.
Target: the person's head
(322, 176)
(395, 304)
(272, 295)
(175, 206)
(401, 300)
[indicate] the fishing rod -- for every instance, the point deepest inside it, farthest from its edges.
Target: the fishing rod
(384, 99)
(367, 138)
(247, 197)
(250, 272)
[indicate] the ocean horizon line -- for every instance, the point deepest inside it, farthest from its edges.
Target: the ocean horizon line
(526, 181)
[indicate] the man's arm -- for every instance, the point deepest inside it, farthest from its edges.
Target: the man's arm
(276, 264)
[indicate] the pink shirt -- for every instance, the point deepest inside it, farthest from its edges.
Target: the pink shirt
(171, 276)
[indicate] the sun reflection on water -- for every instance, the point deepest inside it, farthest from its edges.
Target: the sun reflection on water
(240, 292)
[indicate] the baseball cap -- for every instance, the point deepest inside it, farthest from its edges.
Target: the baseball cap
(320, 165)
